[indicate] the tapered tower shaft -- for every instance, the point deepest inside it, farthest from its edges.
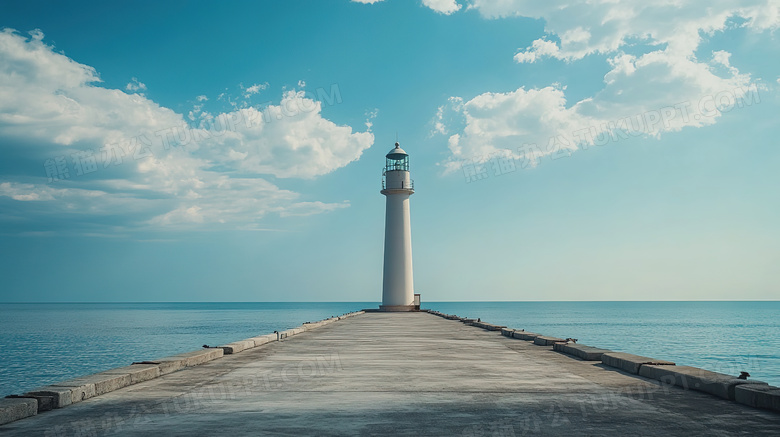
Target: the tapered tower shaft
(397, 186)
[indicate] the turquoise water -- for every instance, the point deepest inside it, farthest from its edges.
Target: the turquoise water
(46, 343)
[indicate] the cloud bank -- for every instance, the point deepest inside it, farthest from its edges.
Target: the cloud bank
(110, 153)
(665, 87)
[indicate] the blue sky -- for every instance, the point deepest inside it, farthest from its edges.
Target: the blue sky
(186, 151)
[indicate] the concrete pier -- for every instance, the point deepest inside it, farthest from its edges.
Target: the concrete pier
(401, 374)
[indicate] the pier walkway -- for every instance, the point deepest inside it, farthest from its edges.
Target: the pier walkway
(400, 374)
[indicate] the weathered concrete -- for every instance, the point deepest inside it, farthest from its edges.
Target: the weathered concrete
(487, 326)
(238, 346)
(507, 332)
(587, 353)
(45, 403)
(542, 340)
(188, 359)
(714, 383)
(629, 362)
(525, 335)
(66, 392)
(263, 339)
(12, 409)
(395, 374)
(758, 396)
(138, 372)
(102, 382)
(60, 396)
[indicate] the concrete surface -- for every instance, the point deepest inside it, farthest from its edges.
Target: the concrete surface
(395, 374)
(758, 396)
(17, 408)
(587, 353)
(714, 383)
(629, 362)
(543, 340)
(137, 372)
(525, 335)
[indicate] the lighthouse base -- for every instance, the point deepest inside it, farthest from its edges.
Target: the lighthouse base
(397, 308)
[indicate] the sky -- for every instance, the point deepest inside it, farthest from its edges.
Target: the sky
(572, 150)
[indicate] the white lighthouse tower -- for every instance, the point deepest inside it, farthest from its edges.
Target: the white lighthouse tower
(397, 186)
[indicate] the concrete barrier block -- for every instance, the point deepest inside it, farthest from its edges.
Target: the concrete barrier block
(525, 335)
(263, 339)
(45, 403)
(79, 389)
(60, 396)
(291, 332)
(758, 396)
(693, 378)
(629, 362)
(542, 340)
(12, 409)
(170, 364)
(187, 359)
(507, 332)
(587, 353)
(311, 325)
(102, 382)
(198, 357)
(237, 346)
(138, 372)
(490, 326)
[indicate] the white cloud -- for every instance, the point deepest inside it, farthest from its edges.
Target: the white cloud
(141, 162)
(603, 26)
(538, 49)
(286, 140)
(643, 96)
(135, 86)
(665, 88)
(445, 7)
(201, 98)
(254, 89)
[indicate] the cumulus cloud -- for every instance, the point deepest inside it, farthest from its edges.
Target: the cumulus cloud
(290, 139)
(105, 151)
(254, 89)
(445, 7)
(642, 96)
(584, 27)
(665, 87)
(135, 86)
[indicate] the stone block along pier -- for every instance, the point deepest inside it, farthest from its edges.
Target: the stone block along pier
(406, 373)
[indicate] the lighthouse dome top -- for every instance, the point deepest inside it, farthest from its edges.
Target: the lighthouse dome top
(397, 153)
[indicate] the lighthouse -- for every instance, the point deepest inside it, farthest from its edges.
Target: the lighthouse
(397, 186)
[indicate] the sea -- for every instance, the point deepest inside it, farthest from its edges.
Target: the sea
(43, 343)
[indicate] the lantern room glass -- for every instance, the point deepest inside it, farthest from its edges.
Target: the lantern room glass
(400, 163)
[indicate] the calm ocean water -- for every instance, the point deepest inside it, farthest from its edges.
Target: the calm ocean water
(46, 343)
